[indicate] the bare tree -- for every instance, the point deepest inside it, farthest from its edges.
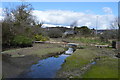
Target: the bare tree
(74, 24)
(115, 27)
(114, 24)
(119, 29)
(22, 19)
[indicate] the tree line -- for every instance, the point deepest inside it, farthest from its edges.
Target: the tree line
(20, 28)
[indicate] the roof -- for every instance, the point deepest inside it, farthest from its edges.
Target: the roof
(69, 32)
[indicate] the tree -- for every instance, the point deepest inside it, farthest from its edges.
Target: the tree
(20, 19)
(118, 28)
(23, 19)
(37, 28)
(115, 28)
(7, 35)
(74, 24)
(113, 33)
(83, 30)
(55, 33)
(114, 24)
(17, 22)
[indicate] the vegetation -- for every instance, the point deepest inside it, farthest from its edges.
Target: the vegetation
(107, 35)
(83, 31)
(41, 38)
(39, 50)
(18, 63)
(19, 21)
(55, 33)
(105, 68)
(22, 41)
(89, 40)
(112, 33)
(75, 64)
(20, 29)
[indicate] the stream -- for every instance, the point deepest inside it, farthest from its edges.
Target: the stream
(46, 68)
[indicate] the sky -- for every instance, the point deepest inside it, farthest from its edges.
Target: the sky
(90, 14)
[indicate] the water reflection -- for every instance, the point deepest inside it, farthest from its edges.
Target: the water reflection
(45, 68)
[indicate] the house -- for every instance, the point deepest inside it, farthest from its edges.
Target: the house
(69, 32)
(101, 31)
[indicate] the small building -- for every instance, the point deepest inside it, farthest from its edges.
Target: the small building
(69, 32)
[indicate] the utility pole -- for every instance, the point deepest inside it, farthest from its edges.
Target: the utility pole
(96, 24)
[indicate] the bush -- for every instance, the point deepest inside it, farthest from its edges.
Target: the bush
(107, 35)
(83, 31)
(41, 38)
(55, 33)
(22, 41)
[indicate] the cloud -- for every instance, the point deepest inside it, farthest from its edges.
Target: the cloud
(62, 17)
(107, 10)
(52, 18)
(1, 12)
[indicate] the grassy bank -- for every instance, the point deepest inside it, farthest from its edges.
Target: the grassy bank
(73, 67)
(76, 61)
(37, 49)
(105, 68)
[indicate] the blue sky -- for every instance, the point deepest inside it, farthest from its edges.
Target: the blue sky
(64, 13)
(96, 7)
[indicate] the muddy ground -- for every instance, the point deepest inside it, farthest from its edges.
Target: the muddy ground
(12, 67)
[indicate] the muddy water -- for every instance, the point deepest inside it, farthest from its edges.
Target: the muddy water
(45, 68)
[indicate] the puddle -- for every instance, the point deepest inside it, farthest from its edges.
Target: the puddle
(93, 62)
(45, 68)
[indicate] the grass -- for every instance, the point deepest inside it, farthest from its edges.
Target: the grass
(105, 68)
(11, 50)
(88, 40)
(80, 58)
(76, 61)
(47, 51)
(37, 49)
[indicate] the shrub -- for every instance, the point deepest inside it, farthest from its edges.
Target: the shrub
(83, 31)
(22, 41)
(41, 38)
(107, 35)
(55, 33)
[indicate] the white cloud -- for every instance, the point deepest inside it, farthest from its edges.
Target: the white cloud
(52, 18)
(67, 17)
(107, 10)
(1, 12)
